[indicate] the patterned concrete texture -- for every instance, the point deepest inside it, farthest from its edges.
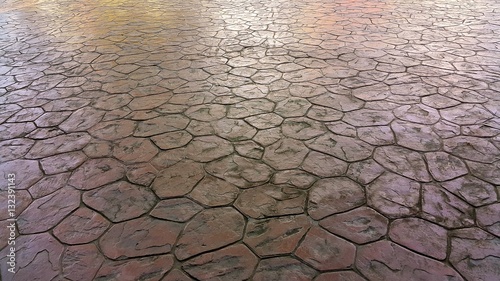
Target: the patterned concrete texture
(250, 140)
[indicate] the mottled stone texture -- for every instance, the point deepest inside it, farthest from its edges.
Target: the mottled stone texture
(250, 140)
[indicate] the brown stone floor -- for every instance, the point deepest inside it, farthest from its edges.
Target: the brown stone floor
(251, 140)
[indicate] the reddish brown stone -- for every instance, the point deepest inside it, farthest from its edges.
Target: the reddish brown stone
(346, 148)
(361, 225)
(48, 185)
(212, 192)
(334, 195)
(97, 172)
(83, 226)
(208, 230)
(62, 162)
(208, 148)
(142, 174)
(444, 208)
(285, 154)
(139, 237)
(271, 200)
(37, 253)
(16, 130)
(472, 190)
(283, 269)
(172, 139)
(235, 262)
(135, 150)
(444, 166)
(113, 130)
(99, 149)
(149, 102)
(384, 260)
(296, 178)
(274, 236)
(59, 144)
(178, 179)
(325, 251)
(120, 201)
(81, 120)
(14, 149)
(365, 171)
(27, 172)
(340, 276)
(474, 253)
(323, 165)
(110, 102)
(81, 262)
(176, 275)
(487, 218)
(240, 171)
(144, 269)
(22, 200)
(44, 213)
(177, 209)
(421, 236)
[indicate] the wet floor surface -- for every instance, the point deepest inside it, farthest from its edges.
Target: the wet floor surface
(251, 140)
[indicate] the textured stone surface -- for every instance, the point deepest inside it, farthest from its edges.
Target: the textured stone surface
(402, 161)
(283, 268)
(213, 192)
(96, 172)
(82, 226)
(81, 262)
(178, 179)
(177, 209)
(148, 268)
(345, 148)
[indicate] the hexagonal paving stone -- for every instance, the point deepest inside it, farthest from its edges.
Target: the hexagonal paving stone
(234, 129)
(416, 136)
(81, 262)
(285, 154)
(206, 112)
(421, 236)
(209, 230)
(302, 128)
(26, 172)
(212, 192)
(274, 236)
(148, 268)
(364, 171)
(120, 201)
(345, 148)
(271, 200)
(81, 120)
(250, 107)
(361, 225)
(177, 209)
(134, 150)
(141, 174)
(296, 178)
(96, 172)
(16, 130)
(339, 102)
(62, 162)
(325, 251)
(334, 195)
(113, 130)
(178, 179)
(282, 269)
(208, 148)
(14, 149)
(161, 124)
(402, 161)
(59, 144)
(475, 253)
(147, 235)
(265, 121)
(234, 262)
(394, 195)
(82, 226)
(392, 262)
(44, 213)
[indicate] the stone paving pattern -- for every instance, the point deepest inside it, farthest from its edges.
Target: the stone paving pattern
(252, 140)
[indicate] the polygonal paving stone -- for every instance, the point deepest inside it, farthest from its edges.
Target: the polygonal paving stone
(302, 75)
(379, 135)
(26, 172)
(387, 260)
(120, 201)
(26, 115)
(487, 172)
(59, 144)
(325, 251)
(248, 108)
(417, 113)
(81, 262)
(368, 117)
(296, 178)
(14, 149)
(69, 104)
(44, 213)
(48, 184)
(472, 148)
(142, 174)
(38, 253)
(212, 192)
(199, 128)
(268, 136)
(178, 179)
(208, 148)
(421, 236)
(177, 209)
(415, 136)
(482, 130)
(134, 150)
(446, 129)
(149, 102)
(439, 101)
(326, 114)
(196, 98)
(81, 120)
(364, 171)
(472, 190)
(13, 206)
(444, 208)
(345, 148)
(62, 162)
(271, 200)
(234, 129)
(209, 230)
(285, 154)
(339, 276)
(111, 102)
(292, 107)
(162, 124)
(251, 91)
(265, 121)
(487, 218)
(176, 275)
(394, 195)
(373, 92)
(302, 128)
(323, 165)
(82, 226)
(274, 236)
(283, 269)
(342, 128)
(361, 225)
(97, 172)
(466, 114)
(206, 112)
(334, 195)
(113, 130)
(139, 237)
(339, 102)
(148, 269)
(444, 166)
(249, 149)
(44, 133)
(234, 262)
(474, 253)
(402, 161)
